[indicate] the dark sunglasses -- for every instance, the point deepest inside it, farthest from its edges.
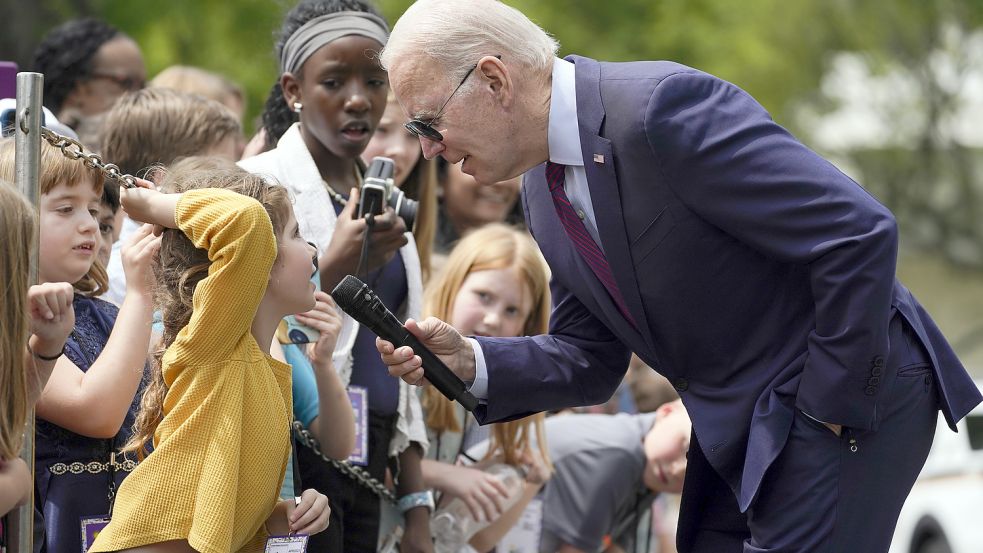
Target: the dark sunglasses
(426, 130)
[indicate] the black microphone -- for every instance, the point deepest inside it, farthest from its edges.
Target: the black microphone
(360, 302)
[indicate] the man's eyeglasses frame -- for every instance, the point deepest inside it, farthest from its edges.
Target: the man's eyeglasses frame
(425, 129)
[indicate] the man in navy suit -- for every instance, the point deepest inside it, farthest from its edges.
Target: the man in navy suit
(680, 222)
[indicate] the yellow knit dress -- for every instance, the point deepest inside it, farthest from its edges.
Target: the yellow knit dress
(221, 449)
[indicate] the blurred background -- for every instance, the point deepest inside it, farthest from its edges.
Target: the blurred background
(890, 91)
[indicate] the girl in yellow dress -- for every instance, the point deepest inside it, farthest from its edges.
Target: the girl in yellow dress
(232, 265)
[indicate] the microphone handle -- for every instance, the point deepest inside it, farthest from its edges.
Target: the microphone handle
(442, 378)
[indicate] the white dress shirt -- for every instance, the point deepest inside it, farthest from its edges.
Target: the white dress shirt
(564, 149)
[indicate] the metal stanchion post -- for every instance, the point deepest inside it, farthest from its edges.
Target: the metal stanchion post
(27, 159)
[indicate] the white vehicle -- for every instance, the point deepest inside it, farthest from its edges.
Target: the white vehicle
(944, 512)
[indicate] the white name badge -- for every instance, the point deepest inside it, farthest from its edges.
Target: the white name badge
(359, 396)
(296, 543)
(91, 526)
(523, 537)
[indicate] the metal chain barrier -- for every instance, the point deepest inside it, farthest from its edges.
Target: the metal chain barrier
(73, 149)
(357, 474)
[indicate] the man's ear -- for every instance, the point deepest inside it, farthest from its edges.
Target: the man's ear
(496, 76)
(291, 89)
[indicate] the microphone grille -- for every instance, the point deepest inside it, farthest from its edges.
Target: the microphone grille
(347, 291)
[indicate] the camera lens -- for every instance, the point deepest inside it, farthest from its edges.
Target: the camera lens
(404, 207)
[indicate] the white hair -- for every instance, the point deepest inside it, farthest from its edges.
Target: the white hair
(458, 33)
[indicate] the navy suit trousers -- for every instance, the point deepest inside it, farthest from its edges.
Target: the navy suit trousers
(824, 493)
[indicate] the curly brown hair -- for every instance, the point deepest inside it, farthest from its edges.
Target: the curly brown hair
(180, 266)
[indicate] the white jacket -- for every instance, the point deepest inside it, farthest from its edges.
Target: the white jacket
(292, 166)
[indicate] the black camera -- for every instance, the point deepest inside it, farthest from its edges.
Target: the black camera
(378, 190)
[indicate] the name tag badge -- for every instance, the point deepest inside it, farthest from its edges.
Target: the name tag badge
(524, 536)
(91, 526)
(359, 396)
(296, 543)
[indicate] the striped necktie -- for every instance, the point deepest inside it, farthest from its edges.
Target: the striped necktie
(583, 241)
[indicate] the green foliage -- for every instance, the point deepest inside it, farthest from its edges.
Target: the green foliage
(231, 38)
(775, 49)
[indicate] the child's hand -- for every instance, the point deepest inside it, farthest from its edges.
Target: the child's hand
(19, 473)
(146, 205)
(138, 255)
(537, 472)
(483, 494)
(387, 236)
(52, 316)
(310, 515)
(325, 319)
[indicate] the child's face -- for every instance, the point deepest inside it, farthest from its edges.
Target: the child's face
(343, 91)
(493, 302)
(471, 205)
(290, 280)
(665, 447)
(107, 233)
(69, 232)
(392, 140)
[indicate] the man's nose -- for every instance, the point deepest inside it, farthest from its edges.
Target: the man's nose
(431, 148)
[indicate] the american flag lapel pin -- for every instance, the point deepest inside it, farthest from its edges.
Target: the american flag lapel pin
(599, 158)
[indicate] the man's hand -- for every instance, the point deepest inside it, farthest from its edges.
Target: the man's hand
(836, 428)
(442, 339)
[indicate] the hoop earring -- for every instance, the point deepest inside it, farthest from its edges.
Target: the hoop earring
(297, 107)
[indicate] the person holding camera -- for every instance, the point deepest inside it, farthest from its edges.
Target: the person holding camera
(329, 99)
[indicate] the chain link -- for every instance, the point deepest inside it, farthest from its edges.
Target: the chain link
(92, 467)
(357, 474)
(73, 149)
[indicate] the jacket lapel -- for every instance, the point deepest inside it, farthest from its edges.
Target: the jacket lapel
(605, 194)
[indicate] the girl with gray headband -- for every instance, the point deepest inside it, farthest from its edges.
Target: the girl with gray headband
(329, 99)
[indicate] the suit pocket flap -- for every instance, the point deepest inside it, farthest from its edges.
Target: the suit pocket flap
(653, 235)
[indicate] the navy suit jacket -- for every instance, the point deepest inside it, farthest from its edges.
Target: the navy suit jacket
(761, 278)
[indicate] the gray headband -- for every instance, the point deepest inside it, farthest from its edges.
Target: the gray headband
(327, 28)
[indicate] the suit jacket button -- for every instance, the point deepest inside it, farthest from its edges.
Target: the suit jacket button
(877, 371)
(873, 381)
(680, 384)
(878, 361)
(870, 390)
